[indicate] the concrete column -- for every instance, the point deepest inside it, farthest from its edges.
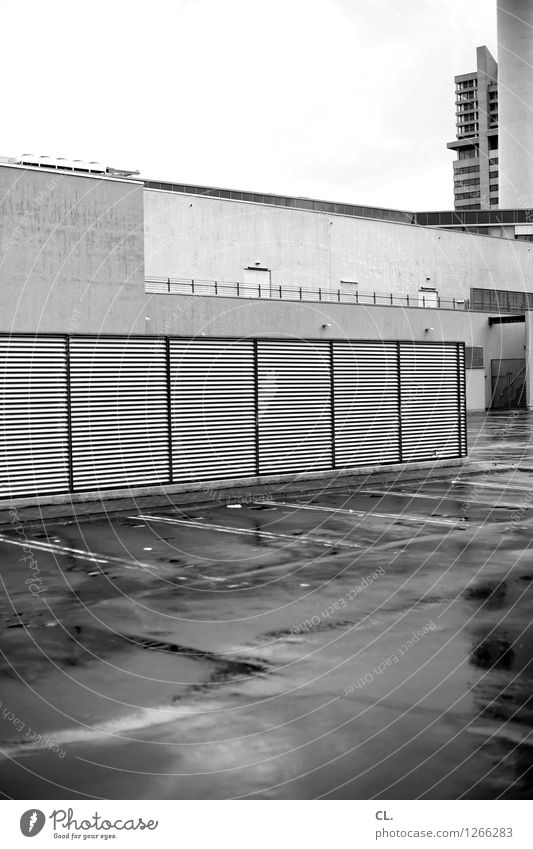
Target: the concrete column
(529, 359)
(515, 103)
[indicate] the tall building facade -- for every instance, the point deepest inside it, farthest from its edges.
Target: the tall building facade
(476, 169)
(515, 57)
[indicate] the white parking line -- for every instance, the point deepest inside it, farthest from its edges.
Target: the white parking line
(37, 545)
(76, 553)
(223, 529)
(484, 485)
(330, 543)
(364, 513)
(512, 505)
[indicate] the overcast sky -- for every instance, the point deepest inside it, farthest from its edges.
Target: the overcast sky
(348, 100)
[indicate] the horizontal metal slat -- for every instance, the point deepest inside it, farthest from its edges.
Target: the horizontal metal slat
(33, 416)
(213, 408)
(118, 411)
(294, 401)
(366, 403)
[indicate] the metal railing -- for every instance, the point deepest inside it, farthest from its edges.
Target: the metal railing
(216, 288)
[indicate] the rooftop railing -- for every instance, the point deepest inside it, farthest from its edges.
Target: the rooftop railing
(271, 292)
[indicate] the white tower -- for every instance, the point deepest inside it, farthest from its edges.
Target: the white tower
(515, 96)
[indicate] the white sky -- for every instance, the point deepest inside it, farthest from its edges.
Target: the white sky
(348, 100)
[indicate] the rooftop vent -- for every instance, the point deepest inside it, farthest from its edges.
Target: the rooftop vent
(78, 166)
(60, 163)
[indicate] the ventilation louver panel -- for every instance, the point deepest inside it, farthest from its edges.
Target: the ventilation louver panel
(461, 356)
(33, 415)
(294, 406)
(430, 401)
(213, 408)
(119, 410)
(366, 403)
(226, 409)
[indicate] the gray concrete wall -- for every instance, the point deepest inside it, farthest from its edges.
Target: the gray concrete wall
(71, 252)
(475, 390)
(71, 261)
(207, 238)
(515, 102)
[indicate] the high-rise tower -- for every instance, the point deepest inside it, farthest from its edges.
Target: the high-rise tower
(515, 84)
(475, 171)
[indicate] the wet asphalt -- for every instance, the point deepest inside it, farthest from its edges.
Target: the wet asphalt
(350, 643)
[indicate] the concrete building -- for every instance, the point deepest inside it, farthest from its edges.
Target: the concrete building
(120, 295)
(475, 171)
(494, 120)
(193, 233)
(515, 57)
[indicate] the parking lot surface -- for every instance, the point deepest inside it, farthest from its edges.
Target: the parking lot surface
(369, 642)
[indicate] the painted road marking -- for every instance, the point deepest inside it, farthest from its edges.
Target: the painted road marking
(364, 513)
(223, 529)
(330, 543)
(396, 494)
(76, 553)
(484, 485)
(55, 549)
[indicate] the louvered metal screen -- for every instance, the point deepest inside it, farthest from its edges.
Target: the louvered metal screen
(294, 406)
(213, 408)
(33, 415)
(148, 410)
(431, 426)
(366, 403)
(461, 377)
(119, 411)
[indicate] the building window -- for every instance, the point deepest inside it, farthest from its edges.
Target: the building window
(468, 152)
(468, 129)
(466, 84)
(468, 169)
(474, 181)
(473, 193)
(473, 357)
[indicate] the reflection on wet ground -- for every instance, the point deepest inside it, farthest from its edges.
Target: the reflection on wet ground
(347, 643)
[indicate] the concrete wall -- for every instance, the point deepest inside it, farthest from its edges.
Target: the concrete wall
(515, 102)
(71, 261)
(195, 237)
(71, 251)
(475, 390)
